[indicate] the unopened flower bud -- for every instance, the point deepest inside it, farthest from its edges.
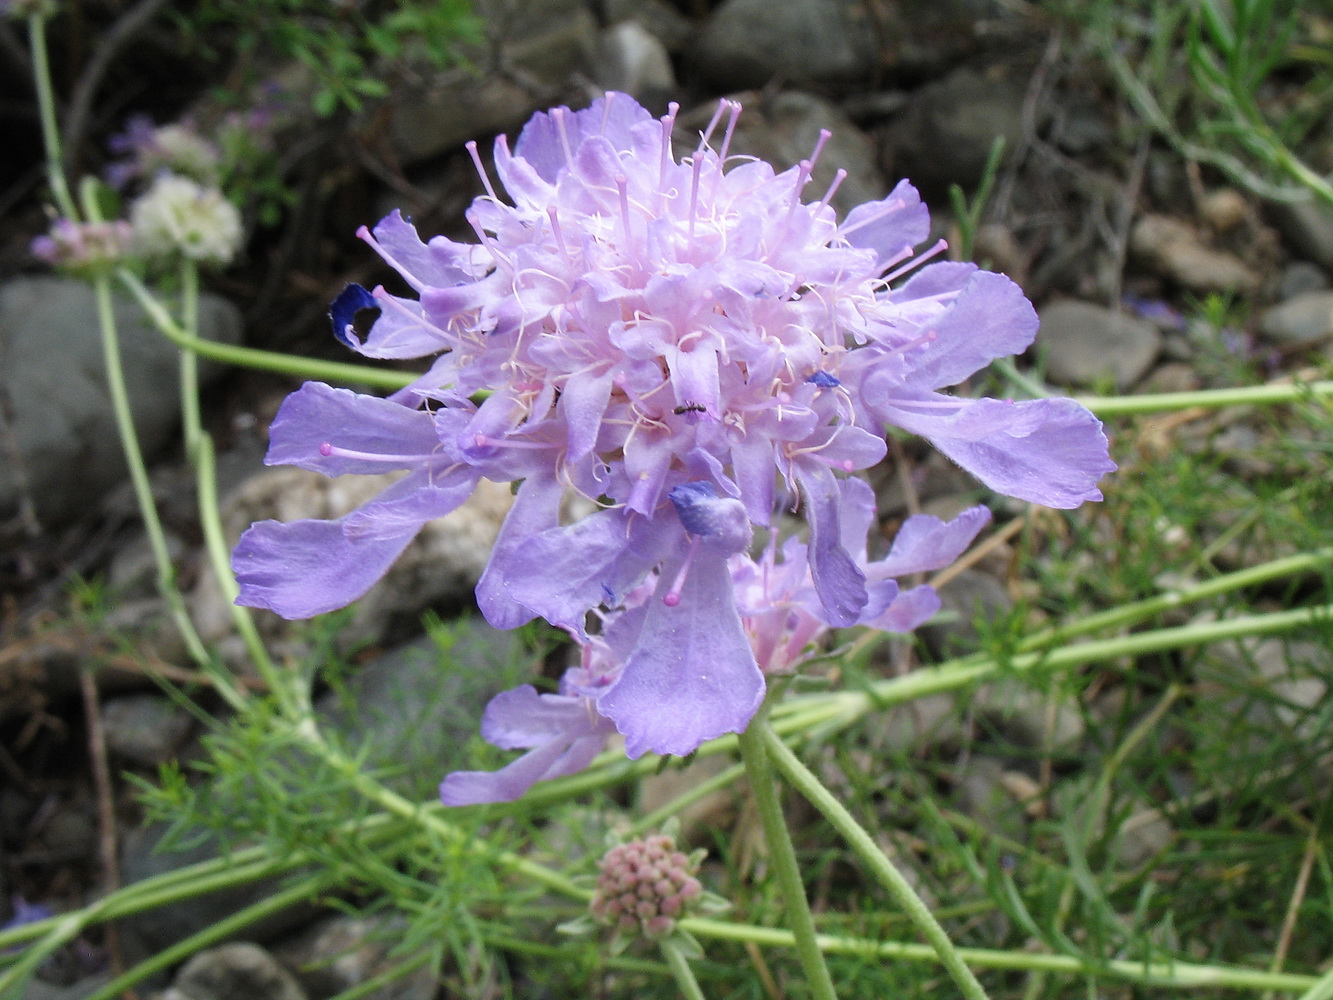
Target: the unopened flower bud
(83, 248)
(645, 886)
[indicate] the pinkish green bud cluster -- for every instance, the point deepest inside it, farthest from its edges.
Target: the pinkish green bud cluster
(83, 247)
(645, 886)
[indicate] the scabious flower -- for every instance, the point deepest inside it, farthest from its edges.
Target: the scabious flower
(782, 619)
(83, 248)
(179, 216)
(687, 342)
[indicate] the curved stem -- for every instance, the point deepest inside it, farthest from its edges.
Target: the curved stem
(680, 968)
(884, 870)
(783, 856)
(249, 357)
(46, 106)
(1114, 406)
(129, 441)
(191, 423)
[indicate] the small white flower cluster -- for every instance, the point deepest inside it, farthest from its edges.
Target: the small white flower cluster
(178, 215)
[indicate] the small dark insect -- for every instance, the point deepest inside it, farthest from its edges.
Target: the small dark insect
(690, 408)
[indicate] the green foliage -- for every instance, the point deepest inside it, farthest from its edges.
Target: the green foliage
(1249, 94)
(353, 50)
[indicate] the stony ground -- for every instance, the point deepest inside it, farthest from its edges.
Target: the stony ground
(1122, 245)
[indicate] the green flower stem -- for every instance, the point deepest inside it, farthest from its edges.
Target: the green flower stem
(46, 108)
(1321, 990)
(783, 856)
(1183, 975)
(191, 422)
(294, 698)
(682, 802)
(680, 968)
(883, 869)
(249, 357)
(120, 405)
(1157, 402)
(845, 707)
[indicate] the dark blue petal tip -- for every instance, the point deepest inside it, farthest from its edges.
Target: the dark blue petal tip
(824, 380)
(342, 314)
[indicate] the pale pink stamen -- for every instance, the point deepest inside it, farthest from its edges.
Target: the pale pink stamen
(329, 450)
(672, 597)
(471, 148)
(365, 234)
(939, 248)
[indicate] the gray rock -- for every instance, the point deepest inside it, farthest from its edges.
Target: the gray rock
(969, 596)
(145, 729)
(1299, 277)
(634, 61)
(783, 129)
(237, 971)
(54, 385)
(747, 43)
(39, 989)
(666, 23)
(535, 47)
(946, 132)
(154, 930)
(1307, 226)
(342, 952)
(1173, 249)
(985, 792)
(1299, 321)
(414, 709)
(1084, 343)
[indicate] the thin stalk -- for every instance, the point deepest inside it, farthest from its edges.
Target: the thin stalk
(129, 442)
(215, 543)
(249, 357)
(191, 423)
(1183, 975)
(783, 856)
(46, 108)
(279, 901)
(1157, 402)
(680, 968)
(881, 867)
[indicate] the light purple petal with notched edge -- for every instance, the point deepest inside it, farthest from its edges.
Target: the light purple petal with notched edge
(891, 226)
(925, 543)
(441, 262)
(422, 495)
(554, 760)
(857, 514)
(550, 136)
(909, 610)
(564, 734)
(692, 675)
(401, 331)
(561, 573)
(304, 568)
(989, 319)
(838, 580)
(536, 509)
(521, 719)
(317, 414)
(1047, 451)
(583, 403)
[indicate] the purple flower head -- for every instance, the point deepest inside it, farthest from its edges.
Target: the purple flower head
(685, 340)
